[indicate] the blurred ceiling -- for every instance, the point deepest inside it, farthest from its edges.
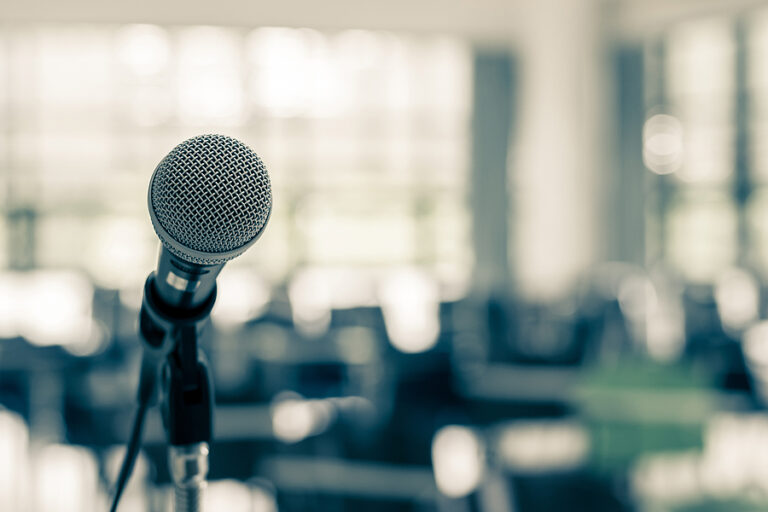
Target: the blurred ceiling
(629, 19)
(482, 21)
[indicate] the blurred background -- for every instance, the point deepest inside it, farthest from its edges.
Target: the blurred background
(517, 260)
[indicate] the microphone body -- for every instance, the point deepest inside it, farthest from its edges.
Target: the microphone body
(181, 285)
(209, 200)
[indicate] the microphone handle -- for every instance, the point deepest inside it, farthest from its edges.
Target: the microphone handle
(182, 285)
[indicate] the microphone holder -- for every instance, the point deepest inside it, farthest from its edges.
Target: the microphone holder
(170, 337)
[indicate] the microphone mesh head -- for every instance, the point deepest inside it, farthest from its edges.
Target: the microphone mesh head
(209, 199)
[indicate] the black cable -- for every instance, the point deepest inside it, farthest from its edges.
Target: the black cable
(131, 452)
(145, 398)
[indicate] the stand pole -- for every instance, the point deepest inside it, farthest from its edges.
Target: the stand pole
(188, 418)
(189, 468)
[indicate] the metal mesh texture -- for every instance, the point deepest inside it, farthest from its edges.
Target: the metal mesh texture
(211, 194)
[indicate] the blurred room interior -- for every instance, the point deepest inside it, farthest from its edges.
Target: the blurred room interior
(517, 259)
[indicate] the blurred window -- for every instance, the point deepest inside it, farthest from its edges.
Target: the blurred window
(690, 135)
(365, 135)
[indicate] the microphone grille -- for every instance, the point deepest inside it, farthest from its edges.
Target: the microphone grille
(209, 199)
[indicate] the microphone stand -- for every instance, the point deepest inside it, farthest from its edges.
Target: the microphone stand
(170, 338)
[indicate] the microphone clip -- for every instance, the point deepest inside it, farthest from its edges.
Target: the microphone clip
(170, 340)
(187, 398)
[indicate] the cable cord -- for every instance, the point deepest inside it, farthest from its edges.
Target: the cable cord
(131, 452)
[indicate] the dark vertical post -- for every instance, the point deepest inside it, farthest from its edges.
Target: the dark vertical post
(742, 183)
(491, 131)
(627, 181)
(658, 190)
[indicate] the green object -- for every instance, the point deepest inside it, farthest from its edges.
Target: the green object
(722, 506)
(643, 407)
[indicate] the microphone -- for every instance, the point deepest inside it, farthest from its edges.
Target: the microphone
(209, 200)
